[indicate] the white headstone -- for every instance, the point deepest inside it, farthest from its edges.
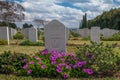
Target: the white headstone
(84, 32)
(55, 36)
(12, 32)
(25, 32)
(33, 34)
(67, 33)
(108, 32)
(4, 33)
(95, 34)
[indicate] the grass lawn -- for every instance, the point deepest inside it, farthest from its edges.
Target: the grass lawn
(34, 49)
(12, 77)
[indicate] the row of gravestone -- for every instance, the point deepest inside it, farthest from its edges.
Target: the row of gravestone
(106, 32)
(6, 33)
(56, 35)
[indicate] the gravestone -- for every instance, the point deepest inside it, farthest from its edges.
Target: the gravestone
(25, 32)
(33, 34)
(55, 36)
(84, 32)
(108, 32)
(67, 33)
(95, 34)
(4, 33)
(12, 32)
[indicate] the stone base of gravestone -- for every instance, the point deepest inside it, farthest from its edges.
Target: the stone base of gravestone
(95, 34)
(4, 33)
(55, 36)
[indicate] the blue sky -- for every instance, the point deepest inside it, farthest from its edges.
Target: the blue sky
(69, 12)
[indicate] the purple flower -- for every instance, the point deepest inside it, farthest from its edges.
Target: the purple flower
(65, 76)
(63, 54)
(38, 63)
(53, 62)
(43, 66)
(53, 58)
(29, 71)
(25, 66)
(59, 70)
(45, 51)
(25, 60)
(62, 59)
(79, 64)
(74, 66)
(31, 62)
(88, 71)
(38, 58)
(68, 67)
(54, 52)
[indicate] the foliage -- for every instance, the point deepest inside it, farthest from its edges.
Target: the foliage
(108, 19)
(13, 25)
(3, 42)
(29, 43)
(83, 22)
(9, 13)
(115, 37)
(74, 34)
(18, 35)
(55, 65)
(102, 59)
(11, 62)
(86, 38)
(25, 25)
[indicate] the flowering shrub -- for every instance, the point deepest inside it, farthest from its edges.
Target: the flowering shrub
(55, 64)
(100, 58)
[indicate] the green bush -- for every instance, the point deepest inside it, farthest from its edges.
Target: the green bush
(86, 38)
(115, 37)
(11, 62)
(3, 42)
(18, 35)
(101, 58)
(74, 34)
(29, 43)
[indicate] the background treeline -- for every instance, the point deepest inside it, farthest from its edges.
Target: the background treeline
(108, 19)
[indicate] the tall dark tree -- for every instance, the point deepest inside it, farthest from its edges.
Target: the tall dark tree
(84, 22)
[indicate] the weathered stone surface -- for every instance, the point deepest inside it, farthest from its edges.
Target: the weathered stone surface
(4, 33)
(55, 36)
(95, 34)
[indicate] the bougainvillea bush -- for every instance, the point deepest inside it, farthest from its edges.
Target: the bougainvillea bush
(56, 65)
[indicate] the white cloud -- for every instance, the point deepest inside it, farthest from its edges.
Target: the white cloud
(70, 16)
(49, 11)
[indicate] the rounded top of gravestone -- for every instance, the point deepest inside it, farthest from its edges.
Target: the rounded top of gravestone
(55, 23)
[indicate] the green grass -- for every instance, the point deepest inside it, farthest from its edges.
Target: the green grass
(34, 49)
(12, 77)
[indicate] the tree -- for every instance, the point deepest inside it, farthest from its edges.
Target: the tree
(11, 11)
(25, 25)
(84, 22)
